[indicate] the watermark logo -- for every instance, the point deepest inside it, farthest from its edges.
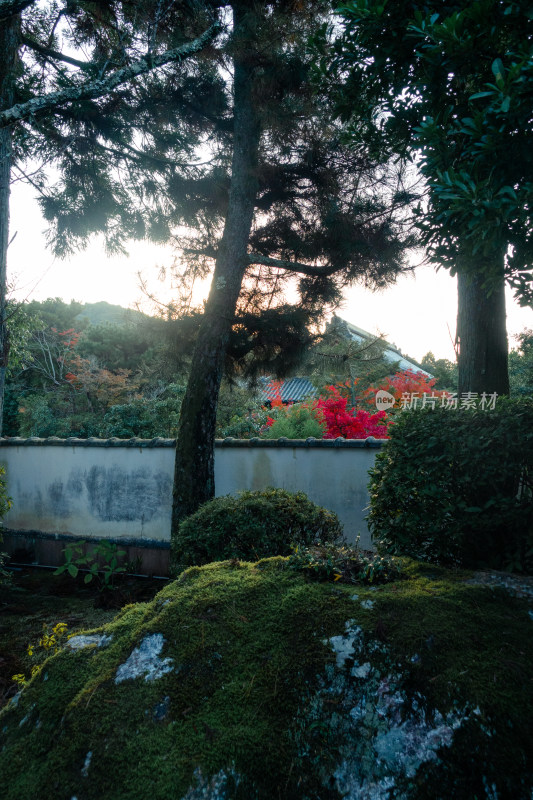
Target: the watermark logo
(384, 400)
(450, 400)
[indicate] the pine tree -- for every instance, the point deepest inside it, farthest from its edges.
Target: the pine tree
(234, 157)
(39, 85)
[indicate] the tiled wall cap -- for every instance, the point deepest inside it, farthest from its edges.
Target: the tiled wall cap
(230, 441)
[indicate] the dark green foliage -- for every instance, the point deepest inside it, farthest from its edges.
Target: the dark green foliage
(521, 365)
(12, 400)
(117, 345)
(253, 525)
(55, 313)
(295, 422)
(333, 562)
(243, 425)
(236, 404)
(453, 82)
(443, 370)
(455, 487)
(5, 500)
(52, 414)
(145, 418)
(99, 560)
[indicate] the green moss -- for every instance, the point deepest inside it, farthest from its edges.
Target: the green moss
(250, 650)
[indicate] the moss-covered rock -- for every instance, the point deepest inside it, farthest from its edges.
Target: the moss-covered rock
(246, 681)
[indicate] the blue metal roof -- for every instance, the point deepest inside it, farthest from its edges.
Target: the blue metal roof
(292, 390)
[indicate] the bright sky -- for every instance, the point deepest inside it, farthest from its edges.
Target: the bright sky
(418, 314)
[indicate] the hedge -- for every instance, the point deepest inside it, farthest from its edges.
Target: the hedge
(456, 487)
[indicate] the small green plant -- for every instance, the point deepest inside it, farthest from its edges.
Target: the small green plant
(332, 562)
(133, 566)
(50, 642)
(101, 562)
(251, 526)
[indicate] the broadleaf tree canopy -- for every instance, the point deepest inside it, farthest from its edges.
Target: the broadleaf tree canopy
(451, 85)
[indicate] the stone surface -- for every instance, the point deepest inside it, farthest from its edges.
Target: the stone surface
(144, 661)
(91, 640)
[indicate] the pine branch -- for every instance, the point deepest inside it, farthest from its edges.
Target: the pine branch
(138, 156)
(55, 54)
(293, 266)
(10, 7)
(98, 88)
(277, 263)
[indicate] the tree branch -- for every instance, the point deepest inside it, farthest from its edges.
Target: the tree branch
(10, 7)
(97, 88)
(277, 263)
(139, 155)
(55, 54)
(292, 266)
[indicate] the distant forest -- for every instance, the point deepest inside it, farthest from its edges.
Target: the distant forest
(97, 369)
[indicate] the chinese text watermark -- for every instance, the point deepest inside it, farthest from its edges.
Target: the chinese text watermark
(450, 400)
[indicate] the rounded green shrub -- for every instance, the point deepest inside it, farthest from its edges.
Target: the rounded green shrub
(456, 487)
(251, 526)
(297, 422)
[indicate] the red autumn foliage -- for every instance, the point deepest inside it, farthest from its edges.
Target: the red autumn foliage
(342, 420)
(406, 382)
(349, 423)
(70, 337)
(274, 389)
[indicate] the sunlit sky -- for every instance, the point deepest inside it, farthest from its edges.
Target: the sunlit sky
(418, 314)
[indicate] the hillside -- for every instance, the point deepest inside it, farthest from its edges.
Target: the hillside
(106, 313)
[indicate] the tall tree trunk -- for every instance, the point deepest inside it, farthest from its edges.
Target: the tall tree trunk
(482, 335)
(9, 41)
(194, 481)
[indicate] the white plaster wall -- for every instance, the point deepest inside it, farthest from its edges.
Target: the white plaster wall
(116, 493)
(126, 492)
(335, 478)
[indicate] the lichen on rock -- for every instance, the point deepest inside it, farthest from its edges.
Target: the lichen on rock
(144, 661)
(214, 788)
(82, 640)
